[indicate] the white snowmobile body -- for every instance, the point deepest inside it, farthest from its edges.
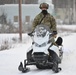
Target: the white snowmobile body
(39, 52)
(41, 42)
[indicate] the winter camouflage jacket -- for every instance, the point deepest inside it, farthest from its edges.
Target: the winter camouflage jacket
(47, 20)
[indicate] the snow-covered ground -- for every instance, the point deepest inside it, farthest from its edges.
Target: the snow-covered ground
(9, 59)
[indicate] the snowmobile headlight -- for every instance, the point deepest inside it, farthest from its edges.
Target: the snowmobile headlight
(42, 45)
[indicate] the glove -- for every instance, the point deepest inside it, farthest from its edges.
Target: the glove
(54, 32)
(30, 34)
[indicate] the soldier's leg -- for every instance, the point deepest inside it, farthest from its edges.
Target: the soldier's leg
(55, 60)
(54, 56)
(59, 43)
(29, 55)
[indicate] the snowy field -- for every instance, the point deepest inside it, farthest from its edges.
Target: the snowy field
(10, 58)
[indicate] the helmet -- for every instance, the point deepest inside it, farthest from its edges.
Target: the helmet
(44, 5)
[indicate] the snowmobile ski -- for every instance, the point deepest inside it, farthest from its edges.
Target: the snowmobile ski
(23, 69)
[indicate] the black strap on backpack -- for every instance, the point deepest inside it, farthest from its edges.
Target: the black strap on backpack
(42, 19)
(39, 23)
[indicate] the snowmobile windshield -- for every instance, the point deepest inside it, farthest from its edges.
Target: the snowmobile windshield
(41, 30)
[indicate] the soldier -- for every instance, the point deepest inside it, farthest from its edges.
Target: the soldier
(46, 18)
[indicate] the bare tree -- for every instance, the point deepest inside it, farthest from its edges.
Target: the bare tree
(3, 18)
(74, 11)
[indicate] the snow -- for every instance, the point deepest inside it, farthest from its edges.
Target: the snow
(10, 58)
(71, 27)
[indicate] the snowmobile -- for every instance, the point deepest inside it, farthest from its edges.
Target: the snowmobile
(42, 51)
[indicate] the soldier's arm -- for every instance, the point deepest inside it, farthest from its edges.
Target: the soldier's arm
(53, 24)
(35, 22)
